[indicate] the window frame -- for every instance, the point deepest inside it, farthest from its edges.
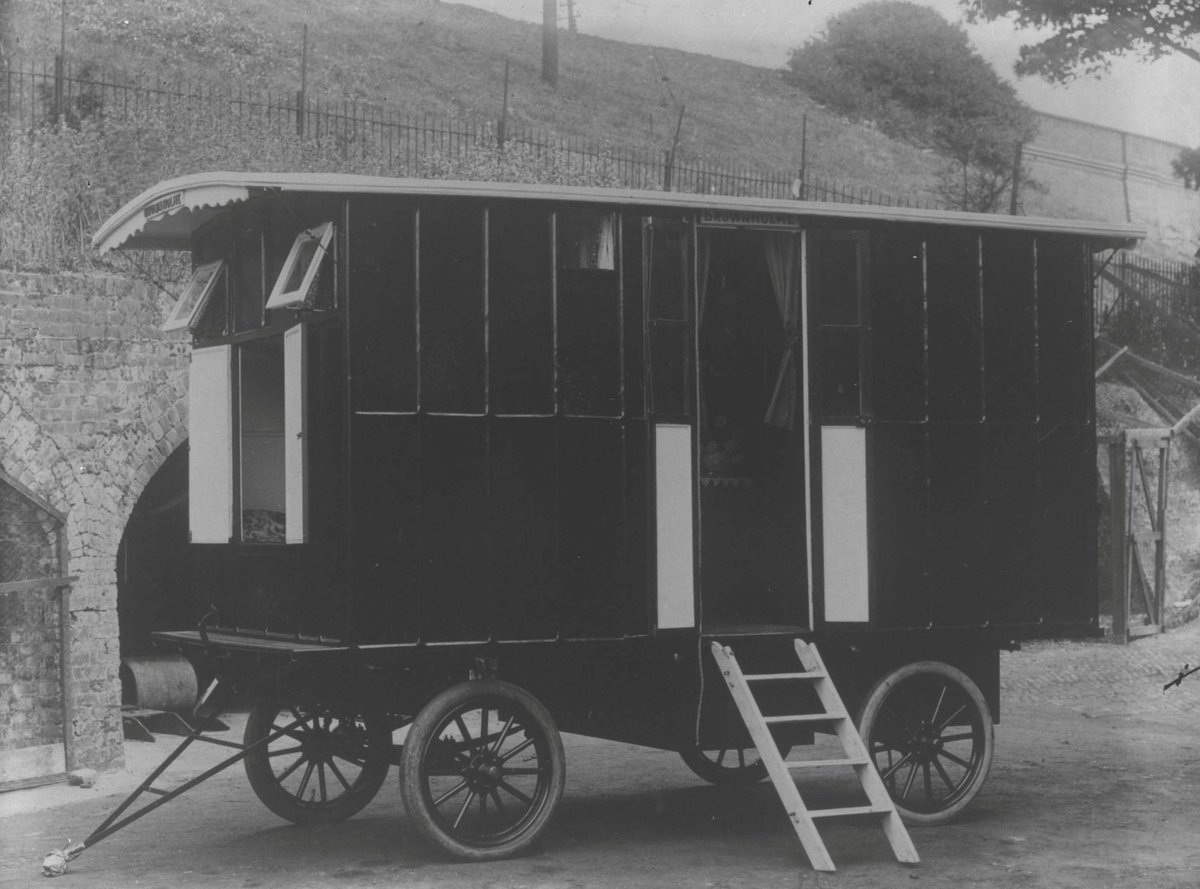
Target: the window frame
(280, 298)
(198, 290)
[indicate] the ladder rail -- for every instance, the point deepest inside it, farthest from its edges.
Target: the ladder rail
(780, 776)
(857, 756)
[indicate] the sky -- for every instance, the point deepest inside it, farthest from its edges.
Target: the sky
(1153, 99)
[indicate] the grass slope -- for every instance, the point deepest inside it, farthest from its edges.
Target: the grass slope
(428, 57)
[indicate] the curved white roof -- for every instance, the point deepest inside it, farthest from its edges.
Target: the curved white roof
(165, 215)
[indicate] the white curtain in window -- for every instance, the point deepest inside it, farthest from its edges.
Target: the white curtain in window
(703, 261)
(785, 264)
(607, 243)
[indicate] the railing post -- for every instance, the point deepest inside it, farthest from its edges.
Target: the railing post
(59, 75)
(1118, 540)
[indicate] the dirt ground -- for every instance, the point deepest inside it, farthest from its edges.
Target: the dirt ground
(1094, 785)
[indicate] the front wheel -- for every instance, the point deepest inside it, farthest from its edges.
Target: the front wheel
(483, 770)
(316, 763)
(929, 733)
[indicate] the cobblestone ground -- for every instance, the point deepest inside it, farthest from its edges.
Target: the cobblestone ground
(1098, 678)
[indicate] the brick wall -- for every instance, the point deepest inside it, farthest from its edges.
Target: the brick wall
(92, 401)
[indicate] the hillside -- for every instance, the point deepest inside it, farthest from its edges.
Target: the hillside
(424, 56)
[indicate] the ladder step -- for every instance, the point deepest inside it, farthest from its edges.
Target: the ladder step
(821, 763)
(764, 677)
(854, 753)
(849, 810)
(806, 717)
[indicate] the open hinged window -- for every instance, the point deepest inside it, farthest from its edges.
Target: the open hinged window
(248, 448)
(190, 306)
(299, 274)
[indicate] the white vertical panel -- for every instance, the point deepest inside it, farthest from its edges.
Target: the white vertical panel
(210, 446)
(674, 541)
(844, 522)
(295, 435)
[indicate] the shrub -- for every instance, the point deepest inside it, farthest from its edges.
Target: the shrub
(916, 76)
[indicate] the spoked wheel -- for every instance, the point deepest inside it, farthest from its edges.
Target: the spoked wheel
(727, 766)
(321, 763)
(483, 770)
(930, 735)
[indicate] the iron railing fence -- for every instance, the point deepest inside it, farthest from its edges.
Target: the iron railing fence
(398, 143)
(1151, 306)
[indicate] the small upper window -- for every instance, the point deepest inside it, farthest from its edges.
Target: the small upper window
(190, 305)
(299, 272)
(587, 240)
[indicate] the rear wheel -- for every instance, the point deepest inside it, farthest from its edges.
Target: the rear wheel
(929, 732)
(483, 770)
(317, 763)
(727, 766)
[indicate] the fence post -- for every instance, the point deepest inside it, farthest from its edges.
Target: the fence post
(59, 76)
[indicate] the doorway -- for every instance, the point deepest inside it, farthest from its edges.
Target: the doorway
(753, 560)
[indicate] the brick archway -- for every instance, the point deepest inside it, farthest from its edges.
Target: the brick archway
(93, 399)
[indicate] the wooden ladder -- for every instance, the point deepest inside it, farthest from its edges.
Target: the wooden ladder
(804, 819)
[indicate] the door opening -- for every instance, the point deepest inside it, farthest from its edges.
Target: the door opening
(751, 464)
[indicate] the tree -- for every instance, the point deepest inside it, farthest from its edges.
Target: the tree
(1090, 33)
(1187, 167)
(916, 76)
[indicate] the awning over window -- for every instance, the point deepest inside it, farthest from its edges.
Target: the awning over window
(164, 217)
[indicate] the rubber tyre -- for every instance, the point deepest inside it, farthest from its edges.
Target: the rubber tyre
(425, 759)
(909, 732)
(370, 742)
(726, 776)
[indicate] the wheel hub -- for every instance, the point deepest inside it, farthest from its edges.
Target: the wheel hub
(484, 773)
(926, 742)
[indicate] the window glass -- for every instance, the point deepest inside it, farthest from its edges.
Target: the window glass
(520, 310)
(839, 279)
(384, 324)
(587, 240)
(589, 317)
(299, 273)
(248, 296)
(668, 271)
(955, 327)
(451, 308)
(192, 302)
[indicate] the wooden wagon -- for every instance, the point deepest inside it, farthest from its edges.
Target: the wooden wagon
(471, 464)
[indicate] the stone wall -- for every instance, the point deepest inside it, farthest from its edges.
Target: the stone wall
(1093, 172)
(92, 401)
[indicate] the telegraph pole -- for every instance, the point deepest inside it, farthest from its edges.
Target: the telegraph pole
(550, 42)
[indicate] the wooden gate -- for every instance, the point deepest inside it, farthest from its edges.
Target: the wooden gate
(1139, 471)
(35, 734)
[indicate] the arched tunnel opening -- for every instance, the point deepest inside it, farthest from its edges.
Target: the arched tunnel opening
(153, 568)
